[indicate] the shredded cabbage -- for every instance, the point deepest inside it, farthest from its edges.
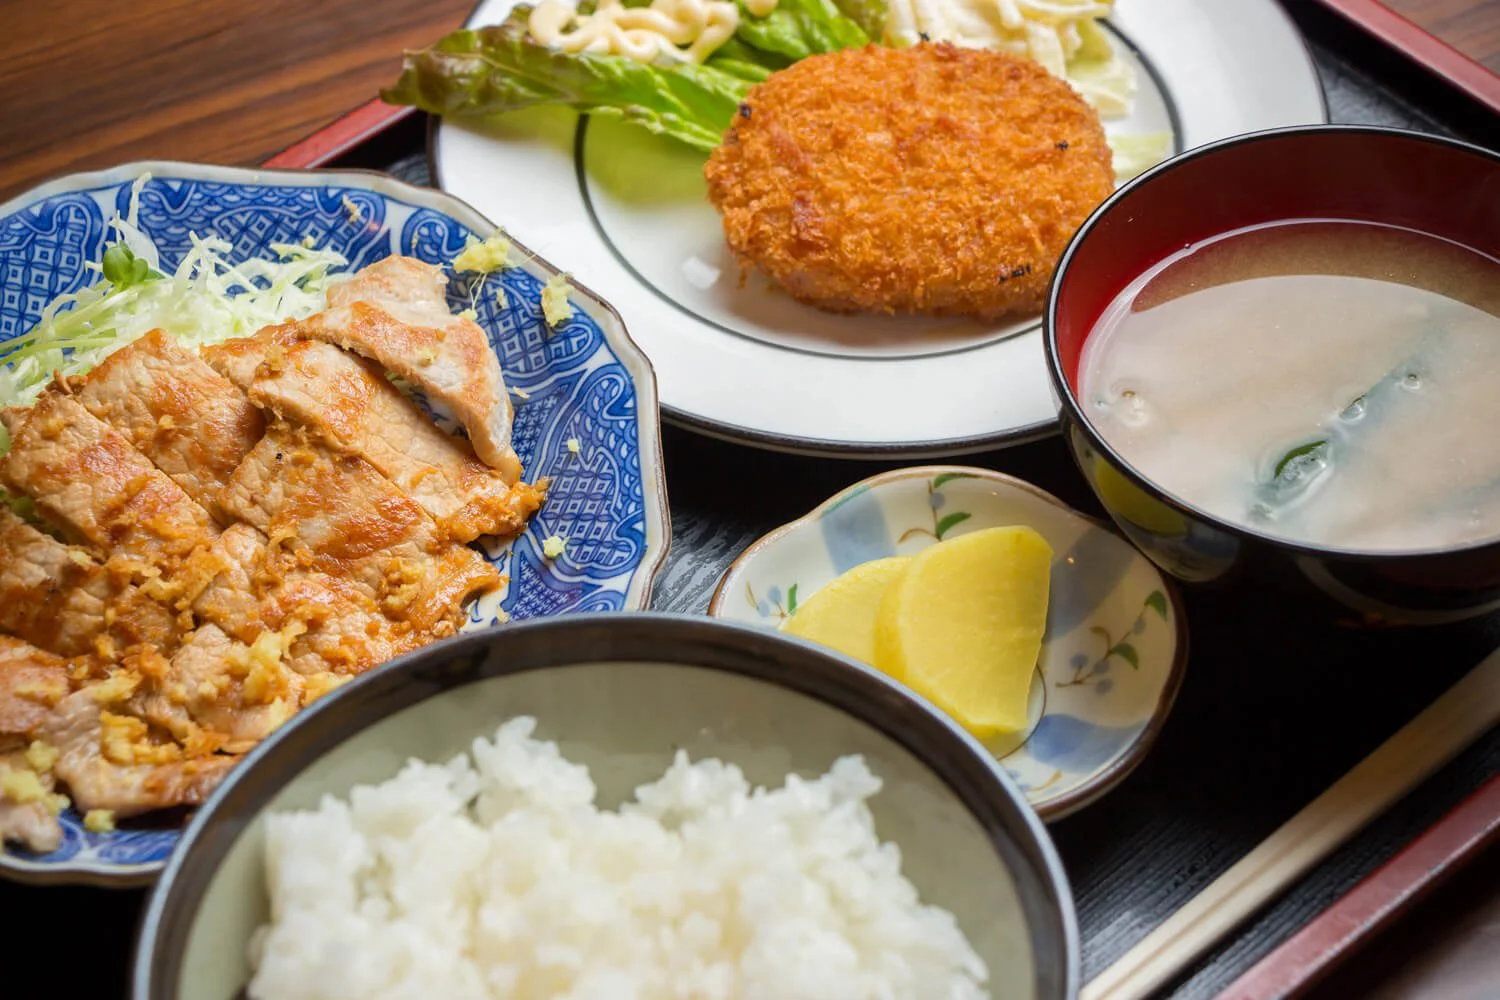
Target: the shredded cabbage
(1063, 35)
(1135, 154)
(206, 300)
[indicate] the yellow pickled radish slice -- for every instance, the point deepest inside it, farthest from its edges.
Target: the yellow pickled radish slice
(842, 614)
(963, 626)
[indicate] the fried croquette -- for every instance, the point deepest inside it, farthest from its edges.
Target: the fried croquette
(932, 179)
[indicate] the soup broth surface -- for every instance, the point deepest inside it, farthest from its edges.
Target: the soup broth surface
(1329, 382)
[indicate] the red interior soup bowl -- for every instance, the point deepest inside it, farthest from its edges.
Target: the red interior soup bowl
(1282, 350)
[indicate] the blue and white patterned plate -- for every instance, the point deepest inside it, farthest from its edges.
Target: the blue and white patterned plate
(1115, 648)
(584, 380)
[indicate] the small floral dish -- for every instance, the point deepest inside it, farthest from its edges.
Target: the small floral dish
(586, 411)
(1116, 643)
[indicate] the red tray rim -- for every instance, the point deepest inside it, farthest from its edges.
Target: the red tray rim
(340, 135)
(1378, 899)
(1422, 47)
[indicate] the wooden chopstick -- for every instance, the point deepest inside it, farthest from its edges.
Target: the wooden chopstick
(1455, 720)
(1465, 831)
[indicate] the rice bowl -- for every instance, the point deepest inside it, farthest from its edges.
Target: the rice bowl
(806, 881)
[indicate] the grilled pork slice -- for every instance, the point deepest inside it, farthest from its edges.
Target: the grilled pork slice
(351, 404)
(28, 809)
(112, 761)
(11, 418)
(32, 681)
(395, 312)
(345, 632)
(238, 694)
(232, 571)
(58, 598)
(334, 514)
(52, 595)
(85, 477)
(190, 421)
(239, 359)
(334, 625)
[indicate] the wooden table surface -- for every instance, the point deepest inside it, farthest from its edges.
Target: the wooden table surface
(92, 83)
(1471, 26)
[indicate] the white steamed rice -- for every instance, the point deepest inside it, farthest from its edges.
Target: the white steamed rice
(496, 876)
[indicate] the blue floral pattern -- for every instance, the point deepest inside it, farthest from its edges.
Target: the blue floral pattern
(572, 383)
(42, 252)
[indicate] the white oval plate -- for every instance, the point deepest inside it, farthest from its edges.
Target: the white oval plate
(628, 209)
(1116, 644)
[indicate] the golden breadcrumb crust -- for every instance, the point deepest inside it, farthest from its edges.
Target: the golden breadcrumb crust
(932, 179)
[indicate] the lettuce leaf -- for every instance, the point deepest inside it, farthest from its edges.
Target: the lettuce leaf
(739, 69)
(484, 72)
(868, 14)
(738, 59)
(797, 29)
(488, 71)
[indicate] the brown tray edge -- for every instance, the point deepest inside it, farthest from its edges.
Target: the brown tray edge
(340, 136)
(1377, 900)
(1422, 47)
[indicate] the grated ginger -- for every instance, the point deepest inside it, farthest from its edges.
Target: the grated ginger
(260, 663)
(48, 692)
(22, 786)
(124, 739)
(322, 683)
(484, 256)
(280, 711)
(162, 591)
(41, 756)
(150, 663)
(120, 685)
(556, 308)
(553, 546)
(99, 820)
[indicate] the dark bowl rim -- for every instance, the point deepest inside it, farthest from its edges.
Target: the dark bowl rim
(841, 684)
(1072, 413)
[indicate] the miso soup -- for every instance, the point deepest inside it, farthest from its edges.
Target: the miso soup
(1329, 382)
